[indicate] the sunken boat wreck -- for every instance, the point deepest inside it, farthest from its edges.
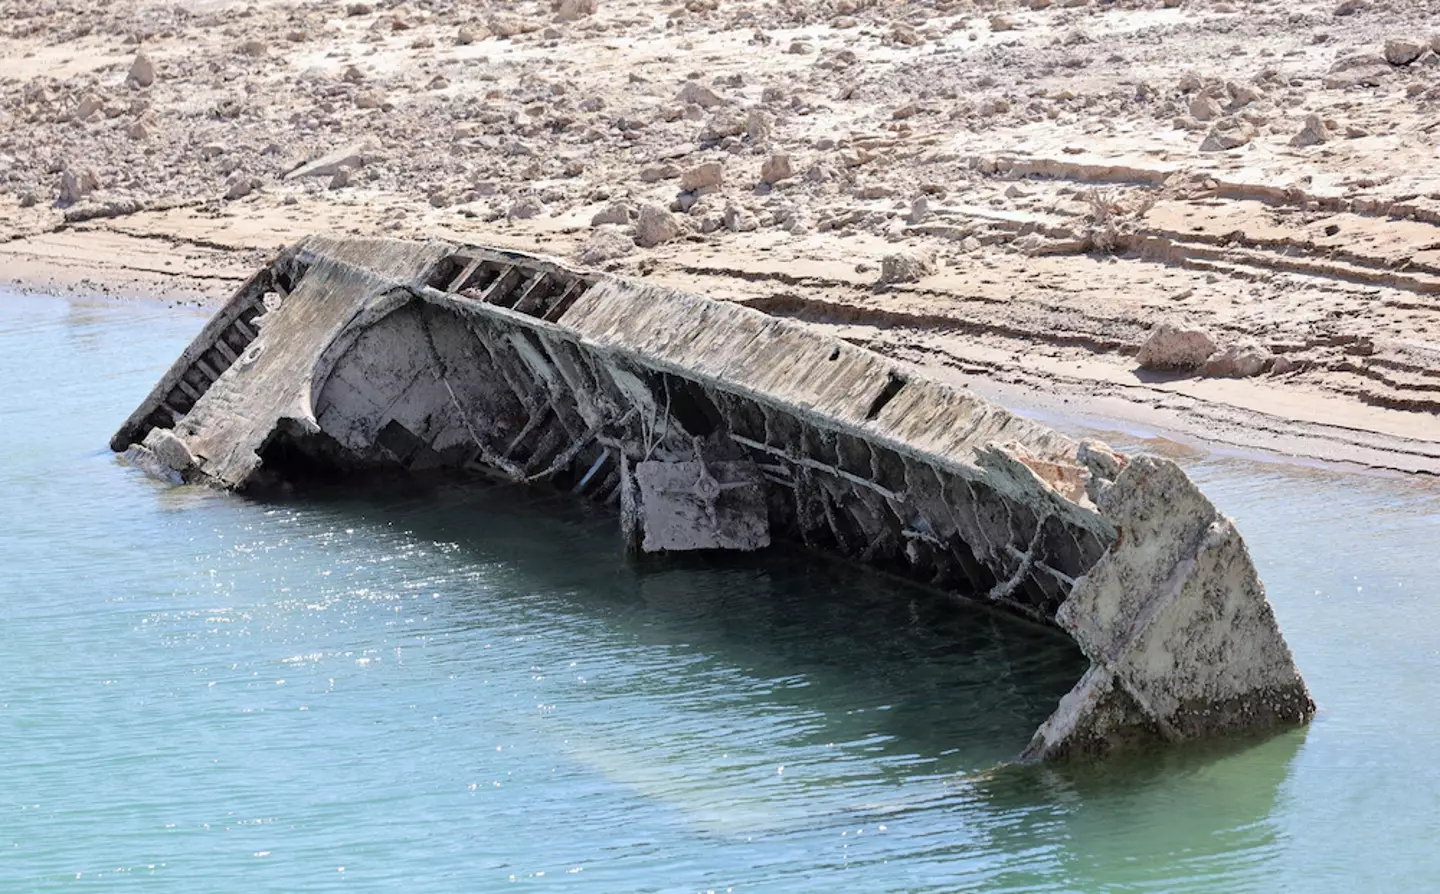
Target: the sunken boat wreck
(709, 425)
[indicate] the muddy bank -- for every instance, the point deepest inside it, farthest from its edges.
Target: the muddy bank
(1016, 196)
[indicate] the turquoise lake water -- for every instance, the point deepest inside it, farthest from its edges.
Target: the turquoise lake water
(465, 690)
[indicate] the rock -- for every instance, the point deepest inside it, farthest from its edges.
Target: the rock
(1350, 7)
(526, 208)
(341, 178)
(907, 266)
(76, 185)
(352, 157)
(98, 210)
(776, 168)
(739, 220)
(1242, 95)
(89, 105)
(700, 95)
(1205, 108)
(359, 9)
(1174, 346)
(613, 213)
(759, 124)
(655, 226)
(254, 47)
(656, 173)
(169, 449)
(919, 210)
(1229, 133)
(722, 124)
(471, 33)
(902, 33)
(606, 244)
(709, 175)
(572, 10)
(508, 24)
(370, 99)
(142, 71)
(239, 188)
(1000, 22)
(352, 74)
(1240, 360)
(212, 150)
(140, 129)
(29, 200)
(1404, 50)
(1312, 133)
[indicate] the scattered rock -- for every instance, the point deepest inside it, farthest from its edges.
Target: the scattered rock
(1205, 108)
(655, 226)
(90, 104)
(919, 211)
(352, 157)
(776, 168)
(1363, 70)
(656, 173)
(1229, 133)
(142, 71)
(370, 99)
(739, 220)
(76, 185)
(613, 213)
(759, 124)
(722, 124)
(1312, 133)
(471, 33)
(526, 208)
(1172, 346)
(1241, 360)
(706, 176)
(700, 95)
(606, 244)
(240, 187)
(911, 265)
(573, 10)
(509, 24)
(98, 210)
(1242, 95)
(1404, 50)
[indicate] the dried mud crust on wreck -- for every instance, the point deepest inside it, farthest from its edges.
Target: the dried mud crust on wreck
(710, 425)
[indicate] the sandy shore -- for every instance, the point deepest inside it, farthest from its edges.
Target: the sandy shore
(1015, 196)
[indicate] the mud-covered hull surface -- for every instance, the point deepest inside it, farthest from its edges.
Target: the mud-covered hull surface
(710, 425)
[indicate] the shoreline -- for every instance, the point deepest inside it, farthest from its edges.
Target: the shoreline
(132, 268)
